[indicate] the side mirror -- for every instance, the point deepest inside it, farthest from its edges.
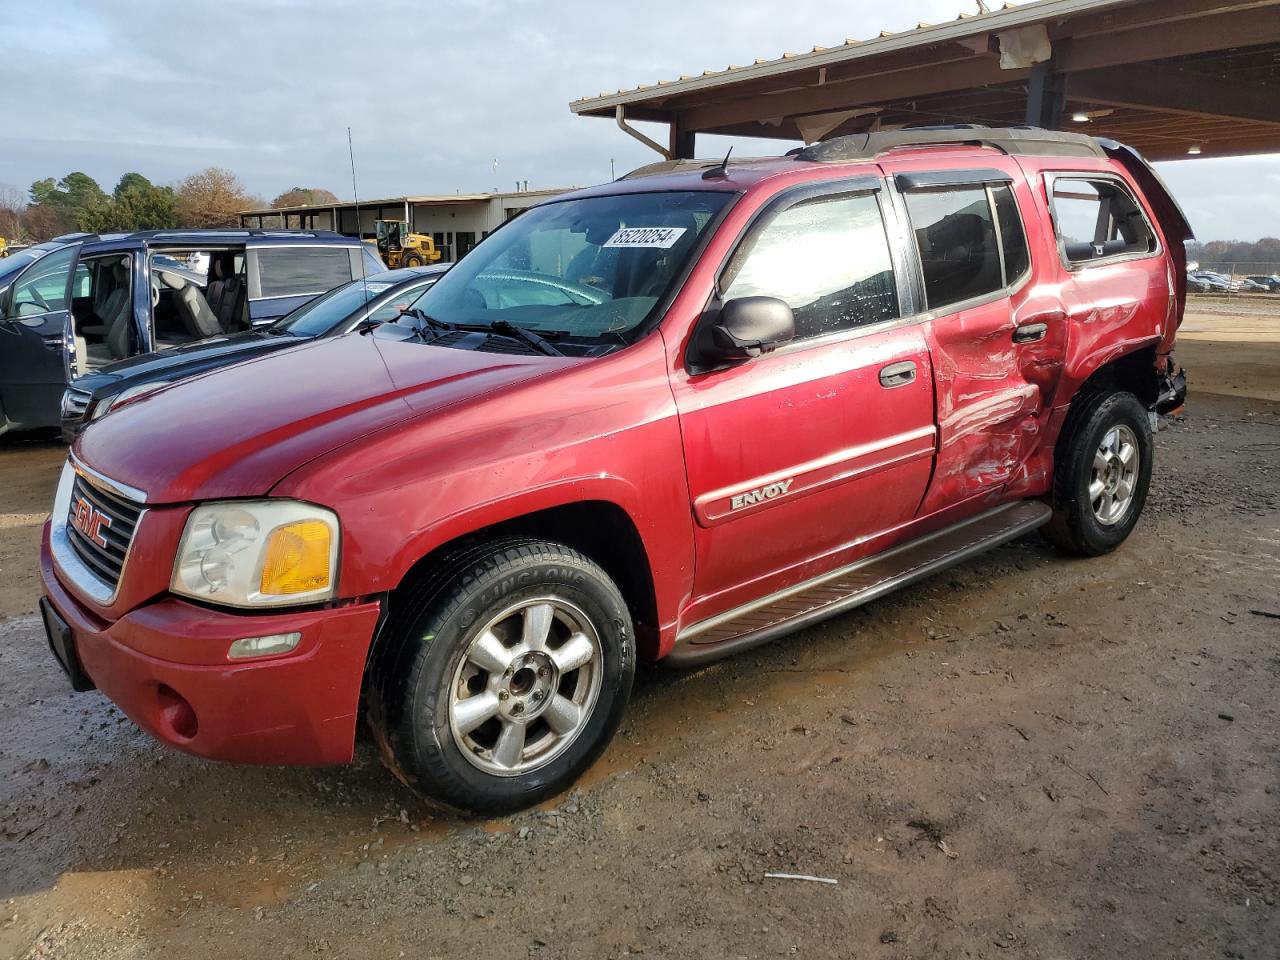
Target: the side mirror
(746, 328)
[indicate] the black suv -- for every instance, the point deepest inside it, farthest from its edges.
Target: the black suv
(84, 301)
(379, 298)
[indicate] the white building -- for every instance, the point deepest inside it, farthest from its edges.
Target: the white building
(456, 223)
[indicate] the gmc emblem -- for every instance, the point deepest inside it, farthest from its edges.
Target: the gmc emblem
(89, 520)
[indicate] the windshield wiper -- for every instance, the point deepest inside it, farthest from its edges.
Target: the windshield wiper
(427, 322)
(528, 336)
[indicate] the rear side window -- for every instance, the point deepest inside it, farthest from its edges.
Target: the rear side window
(970, 241)
(1098, 219)
(827, 258)
(1013, 238)
(296, 271)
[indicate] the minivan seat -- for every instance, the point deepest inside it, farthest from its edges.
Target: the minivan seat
(213, 293)
(114, 313)
(192, 306)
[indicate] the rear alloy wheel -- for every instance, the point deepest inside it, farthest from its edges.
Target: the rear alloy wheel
(1101, 474)
(1114, 476)
(503, 675)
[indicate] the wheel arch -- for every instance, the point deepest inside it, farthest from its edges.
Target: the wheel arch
(600, 529)
(1134, 372)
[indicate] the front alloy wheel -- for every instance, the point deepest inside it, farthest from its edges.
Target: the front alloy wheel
(523, 691)
(502, 674)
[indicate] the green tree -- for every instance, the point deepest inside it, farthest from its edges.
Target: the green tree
(67, 204)
(138, 204)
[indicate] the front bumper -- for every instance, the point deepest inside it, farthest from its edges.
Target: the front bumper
(297, 708)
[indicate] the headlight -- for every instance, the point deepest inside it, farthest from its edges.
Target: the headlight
(106, 406)
(258, 553)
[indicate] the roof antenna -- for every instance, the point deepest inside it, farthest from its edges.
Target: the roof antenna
(720, 170)
(364, 326)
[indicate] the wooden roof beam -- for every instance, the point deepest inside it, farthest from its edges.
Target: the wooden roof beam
(1169, 90)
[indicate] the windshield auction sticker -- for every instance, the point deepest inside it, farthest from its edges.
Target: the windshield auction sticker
(651, 238)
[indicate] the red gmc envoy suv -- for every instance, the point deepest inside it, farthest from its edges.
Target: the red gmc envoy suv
(671, 417)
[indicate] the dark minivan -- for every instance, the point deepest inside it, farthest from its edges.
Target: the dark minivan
(83, 301)
(375, 299)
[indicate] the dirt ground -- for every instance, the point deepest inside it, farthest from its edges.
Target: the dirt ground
(1024, 757)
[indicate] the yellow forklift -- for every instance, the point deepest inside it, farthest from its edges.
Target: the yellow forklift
(400, 248)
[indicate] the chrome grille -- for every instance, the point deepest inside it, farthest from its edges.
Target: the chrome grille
(119, 518)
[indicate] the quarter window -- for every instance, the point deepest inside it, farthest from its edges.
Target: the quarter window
(827, 258)
(1097, 219)
(296, 271)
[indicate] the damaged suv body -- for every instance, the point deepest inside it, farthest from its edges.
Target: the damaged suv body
(666, 418)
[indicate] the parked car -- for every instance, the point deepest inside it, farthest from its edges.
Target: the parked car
(380, 297)
(1203, 282)
(670, 417)
(83, 301)
(1271, 283)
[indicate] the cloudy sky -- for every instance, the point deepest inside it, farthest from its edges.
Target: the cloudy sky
(433, 93)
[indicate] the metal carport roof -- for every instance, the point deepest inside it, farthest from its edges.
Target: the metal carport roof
(1170, 77)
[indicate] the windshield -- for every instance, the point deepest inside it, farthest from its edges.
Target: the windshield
(592, 269)
(319, 316)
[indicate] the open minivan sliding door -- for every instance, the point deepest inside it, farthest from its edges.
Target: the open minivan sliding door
(37, 349)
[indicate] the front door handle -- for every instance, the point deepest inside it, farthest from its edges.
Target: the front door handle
(898, 374)
(1030, 332)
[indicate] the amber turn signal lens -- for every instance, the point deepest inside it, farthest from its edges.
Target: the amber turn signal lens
(297, 559)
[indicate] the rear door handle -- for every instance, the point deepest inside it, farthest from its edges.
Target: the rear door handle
(898, 374)
(1030, 332)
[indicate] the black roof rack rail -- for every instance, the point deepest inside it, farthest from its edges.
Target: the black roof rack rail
(671, 166)
(1027, 141)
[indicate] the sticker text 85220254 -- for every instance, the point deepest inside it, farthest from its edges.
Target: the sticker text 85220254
(653, 238)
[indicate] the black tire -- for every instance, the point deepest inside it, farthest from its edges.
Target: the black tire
(1079, 524)
(413, 261)
(416, 671)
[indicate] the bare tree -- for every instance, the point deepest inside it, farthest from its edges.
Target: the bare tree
(212, 198)
(13, 205)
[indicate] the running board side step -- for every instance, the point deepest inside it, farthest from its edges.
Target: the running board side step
(833, 593)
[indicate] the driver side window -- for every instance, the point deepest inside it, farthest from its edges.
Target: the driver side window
(43, 287)
(827, 258)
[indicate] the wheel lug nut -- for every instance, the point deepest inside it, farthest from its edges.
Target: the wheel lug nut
(542, 673)
(517, 708)
(503, 695)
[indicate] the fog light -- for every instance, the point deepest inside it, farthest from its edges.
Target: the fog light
(264, 646)
(177, 716)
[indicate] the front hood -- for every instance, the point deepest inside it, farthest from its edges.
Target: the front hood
(182, 361)
(238, 431)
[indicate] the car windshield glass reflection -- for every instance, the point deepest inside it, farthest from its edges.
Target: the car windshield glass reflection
(592, 269)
